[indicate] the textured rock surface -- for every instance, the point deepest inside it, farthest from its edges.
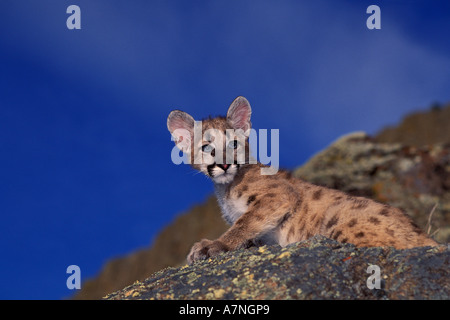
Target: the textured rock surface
(318, 268)
(407, 166)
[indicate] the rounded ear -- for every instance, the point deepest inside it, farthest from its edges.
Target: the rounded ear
(181, 126)
(239, 113)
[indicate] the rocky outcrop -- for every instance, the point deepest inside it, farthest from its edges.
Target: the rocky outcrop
(416, 180)
(318, 268)
(407, 166)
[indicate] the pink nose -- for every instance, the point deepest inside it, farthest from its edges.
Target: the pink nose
(223, 166)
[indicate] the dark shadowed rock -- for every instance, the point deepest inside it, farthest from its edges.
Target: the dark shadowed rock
(420, 129)
(318, 268)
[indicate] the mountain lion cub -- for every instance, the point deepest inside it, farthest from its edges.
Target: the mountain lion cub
(278, 208)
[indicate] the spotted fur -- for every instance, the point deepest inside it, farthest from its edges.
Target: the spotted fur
(281, 209)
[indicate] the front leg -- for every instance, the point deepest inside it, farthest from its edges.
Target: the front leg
(258, 220)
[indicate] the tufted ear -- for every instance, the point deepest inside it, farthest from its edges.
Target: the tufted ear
(181, 126)
(239, 113)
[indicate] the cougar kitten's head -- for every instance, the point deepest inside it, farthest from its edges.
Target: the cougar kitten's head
(218, 147)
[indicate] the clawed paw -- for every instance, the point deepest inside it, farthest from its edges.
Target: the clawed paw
(205, 249)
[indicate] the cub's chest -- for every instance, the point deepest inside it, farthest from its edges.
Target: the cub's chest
(232, 207)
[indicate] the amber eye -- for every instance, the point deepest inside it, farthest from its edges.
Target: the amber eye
(233, 144)
(207, 148)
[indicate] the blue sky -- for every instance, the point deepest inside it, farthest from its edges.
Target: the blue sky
(85, 169)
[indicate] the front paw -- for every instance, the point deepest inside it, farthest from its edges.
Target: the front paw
(205, 249)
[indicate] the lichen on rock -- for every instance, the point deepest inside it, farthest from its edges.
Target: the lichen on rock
(318, 268)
